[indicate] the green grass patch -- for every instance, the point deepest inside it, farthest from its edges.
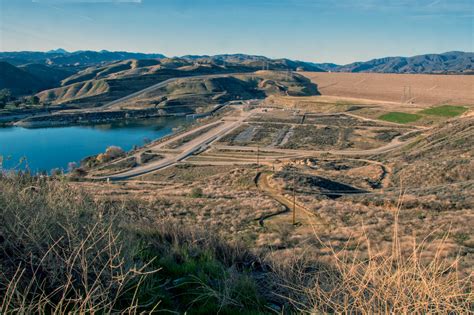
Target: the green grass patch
(445, 111)
(399, 117)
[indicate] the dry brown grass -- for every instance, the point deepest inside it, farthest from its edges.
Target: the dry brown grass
(62, 252)
(426, 89)
(390, 282)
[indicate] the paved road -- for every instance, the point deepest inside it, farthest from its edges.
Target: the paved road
(198, 144)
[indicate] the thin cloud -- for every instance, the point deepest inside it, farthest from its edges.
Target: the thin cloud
(85, 1)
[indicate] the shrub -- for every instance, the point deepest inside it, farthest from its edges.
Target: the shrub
(110, 154)
(196, 192)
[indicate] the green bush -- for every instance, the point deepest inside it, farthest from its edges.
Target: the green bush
(196, 192)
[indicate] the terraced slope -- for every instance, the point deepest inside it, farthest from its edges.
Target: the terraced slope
(189, 94)
(104, 71)
(96, 86)
(77, 91)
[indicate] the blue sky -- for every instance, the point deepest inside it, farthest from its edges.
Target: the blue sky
(338, 31)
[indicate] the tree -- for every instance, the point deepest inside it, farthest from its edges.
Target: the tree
(5, 97)
(34, 100)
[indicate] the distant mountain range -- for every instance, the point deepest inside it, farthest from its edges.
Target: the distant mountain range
(449, 62)
(28, 72)
(62, 58)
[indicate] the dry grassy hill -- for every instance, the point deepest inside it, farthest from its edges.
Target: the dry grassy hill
(102, 72)
(444, 156)
(188, 93)
(97, 85)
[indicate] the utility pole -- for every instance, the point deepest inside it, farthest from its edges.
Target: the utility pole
(258, 156)
(294, 197)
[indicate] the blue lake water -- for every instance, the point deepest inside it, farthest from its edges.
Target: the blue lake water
(44, 149)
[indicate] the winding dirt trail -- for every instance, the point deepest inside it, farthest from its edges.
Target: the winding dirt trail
(303, 216)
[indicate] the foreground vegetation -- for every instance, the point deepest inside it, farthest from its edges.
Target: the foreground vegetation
(64, 251)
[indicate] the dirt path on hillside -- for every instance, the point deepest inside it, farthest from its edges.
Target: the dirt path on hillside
(304, 217)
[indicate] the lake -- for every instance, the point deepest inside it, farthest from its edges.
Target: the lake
(43, 149)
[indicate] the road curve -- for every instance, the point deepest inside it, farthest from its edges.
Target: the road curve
(162, 84)
(198, 144)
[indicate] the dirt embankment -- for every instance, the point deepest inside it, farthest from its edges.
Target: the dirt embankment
(424, 89)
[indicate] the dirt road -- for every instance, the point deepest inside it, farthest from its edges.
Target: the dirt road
(200, 143)
(394, 144)
(302, 215)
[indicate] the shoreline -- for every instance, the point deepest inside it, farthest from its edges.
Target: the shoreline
(77, 119)
(62, 119)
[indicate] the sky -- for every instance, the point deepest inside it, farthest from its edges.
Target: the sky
(339, 31)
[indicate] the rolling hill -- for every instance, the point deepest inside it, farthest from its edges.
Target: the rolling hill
(199, 94)
(30, 78)
(49, 76)
(96, 85)
(17, 80)
(101, 83)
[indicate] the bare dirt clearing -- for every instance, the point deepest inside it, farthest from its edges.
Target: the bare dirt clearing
(424, 89)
